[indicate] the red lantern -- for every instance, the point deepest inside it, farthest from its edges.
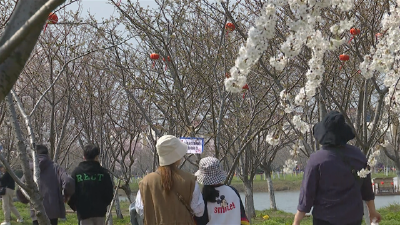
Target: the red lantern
(245, 87)
(355, 31)
(344, 57)
(230, 27)
(168, 59)
(154, 56)
(382, 182)
(52, 19)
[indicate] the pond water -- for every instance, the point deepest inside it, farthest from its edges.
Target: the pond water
(287, 200)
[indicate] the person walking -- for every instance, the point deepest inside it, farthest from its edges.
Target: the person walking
(223, 204)
(169, 195)
(55, 185)
(94, 189)
(8, 183)
(330, 184)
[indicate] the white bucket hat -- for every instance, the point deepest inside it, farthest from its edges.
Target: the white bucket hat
(210, 173)
(170, 149)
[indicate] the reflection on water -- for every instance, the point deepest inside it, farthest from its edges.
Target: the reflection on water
(287, 200)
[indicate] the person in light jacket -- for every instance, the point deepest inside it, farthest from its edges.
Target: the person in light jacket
(169, 195)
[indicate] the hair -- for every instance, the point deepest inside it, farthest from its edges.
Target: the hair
(166, 173)
(210, 194)
(91, 151)
(41, 149)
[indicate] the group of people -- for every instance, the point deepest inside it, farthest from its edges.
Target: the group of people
(88, 190)
(172, 196)
(330, 187)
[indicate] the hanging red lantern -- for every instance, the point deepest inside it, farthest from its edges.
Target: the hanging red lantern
(355, 31)
(168, 59)
(52, 19)
(245, 87)
(154, 56)
(344, 57)
(382, 182)
(230, 27)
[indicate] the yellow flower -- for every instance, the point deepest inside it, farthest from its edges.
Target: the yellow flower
(265, 217)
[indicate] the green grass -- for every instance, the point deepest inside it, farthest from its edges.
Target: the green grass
(71, 217)
(390, 215)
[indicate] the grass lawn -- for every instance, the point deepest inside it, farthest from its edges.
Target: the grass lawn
(390, 214)
(71, 217)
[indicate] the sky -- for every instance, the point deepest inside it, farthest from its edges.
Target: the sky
(102, 8)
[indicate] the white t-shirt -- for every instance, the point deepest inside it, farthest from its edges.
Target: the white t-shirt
(227, 208)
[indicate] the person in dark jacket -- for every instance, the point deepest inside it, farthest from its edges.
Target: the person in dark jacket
(7, 182)
(55, 186)
(94, 189)
(331, 185)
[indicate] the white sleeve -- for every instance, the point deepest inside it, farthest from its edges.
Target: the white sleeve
(197, 203)
(139, 204)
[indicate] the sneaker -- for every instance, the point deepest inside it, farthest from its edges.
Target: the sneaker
(5, 223)
(20, 220)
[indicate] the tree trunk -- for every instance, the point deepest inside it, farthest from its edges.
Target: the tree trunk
(17, 46)
(127, 191)
(118, 208)
(398, 179)
(116, 200)
(110, 217)
(249, 200)
(270, 190)
(32, 188)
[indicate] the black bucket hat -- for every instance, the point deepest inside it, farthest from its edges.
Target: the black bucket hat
(333, 130)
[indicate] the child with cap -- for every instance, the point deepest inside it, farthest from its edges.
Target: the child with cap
(222, 203)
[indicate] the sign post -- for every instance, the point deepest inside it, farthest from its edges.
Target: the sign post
(195, 145)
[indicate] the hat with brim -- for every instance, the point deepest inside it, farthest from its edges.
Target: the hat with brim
(170, 149)
(210, 172)
(333, 130)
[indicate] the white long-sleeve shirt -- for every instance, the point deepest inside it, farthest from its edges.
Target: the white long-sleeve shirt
(197, 203)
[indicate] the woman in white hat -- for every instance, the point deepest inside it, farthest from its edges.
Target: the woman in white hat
(169, 195)
(222, 203)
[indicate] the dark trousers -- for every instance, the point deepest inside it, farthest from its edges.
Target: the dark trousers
(323, 222)
(52, 222)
